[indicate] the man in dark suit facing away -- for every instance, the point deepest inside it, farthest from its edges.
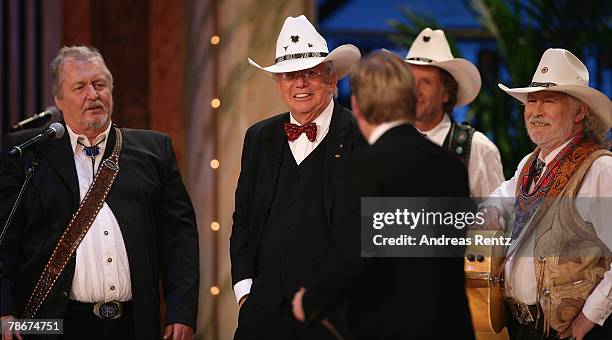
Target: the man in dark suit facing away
(390, 297)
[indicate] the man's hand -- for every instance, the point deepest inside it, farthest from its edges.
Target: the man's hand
(296, 304)
(8, 334)
(178, 331)
(579, 328)
(242, 300)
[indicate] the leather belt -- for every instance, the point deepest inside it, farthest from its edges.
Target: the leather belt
(109, 310)
(525, 314)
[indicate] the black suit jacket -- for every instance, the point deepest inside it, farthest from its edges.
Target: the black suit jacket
(393, 298)
(153, 210)
(261, 159)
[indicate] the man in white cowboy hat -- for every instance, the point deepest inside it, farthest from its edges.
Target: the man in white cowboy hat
(282, 220)
(443, 83)
(558, 280)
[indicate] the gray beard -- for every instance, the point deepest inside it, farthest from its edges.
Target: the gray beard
(97, 123)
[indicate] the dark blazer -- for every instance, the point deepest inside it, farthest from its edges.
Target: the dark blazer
(261, 159)
(153, 210)
(393, 298)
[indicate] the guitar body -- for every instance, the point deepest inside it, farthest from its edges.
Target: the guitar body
(485, 294)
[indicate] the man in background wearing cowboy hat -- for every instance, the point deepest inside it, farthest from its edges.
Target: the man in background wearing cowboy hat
(558, 281)
(282, 219)
(443, 83)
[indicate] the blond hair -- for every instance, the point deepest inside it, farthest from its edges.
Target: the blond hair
(384, 88)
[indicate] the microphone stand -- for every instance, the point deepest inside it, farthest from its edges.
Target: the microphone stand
(28, 175)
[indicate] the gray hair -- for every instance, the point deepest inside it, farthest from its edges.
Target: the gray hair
(595, 129)
(82, 53)
(331, 69)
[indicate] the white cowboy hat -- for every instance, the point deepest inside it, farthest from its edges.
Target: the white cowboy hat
(430, 48)
(561, 71)
(299, 47)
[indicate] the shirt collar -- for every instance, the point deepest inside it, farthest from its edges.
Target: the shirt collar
(438, 133)
(322, 121)
(553, 153)
(101, 138)
(383, 128)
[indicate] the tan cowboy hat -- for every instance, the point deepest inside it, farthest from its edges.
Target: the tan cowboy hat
(561, 71)
(299, 47)
(430, 48)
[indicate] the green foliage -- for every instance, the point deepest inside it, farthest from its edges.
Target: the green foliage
(523, 30)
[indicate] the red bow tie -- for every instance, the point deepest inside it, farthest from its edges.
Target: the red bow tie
(293, 131)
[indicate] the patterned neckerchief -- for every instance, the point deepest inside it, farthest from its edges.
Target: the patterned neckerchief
(528, 202)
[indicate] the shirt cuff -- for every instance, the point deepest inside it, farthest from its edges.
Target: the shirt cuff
(242, 288)
(597, 307)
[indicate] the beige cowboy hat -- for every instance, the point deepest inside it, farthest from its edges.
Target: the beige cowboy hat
(561, 71)
(299, 47)
(430, 48)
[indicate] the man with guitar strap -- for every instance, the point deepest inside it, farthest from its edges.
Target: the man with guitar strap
(443, 83)
(105, 217)
(558, 279)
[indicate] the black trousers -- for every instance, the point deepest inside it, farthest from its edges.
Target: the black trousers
(257, 323)
(81, 323)
(531, 332)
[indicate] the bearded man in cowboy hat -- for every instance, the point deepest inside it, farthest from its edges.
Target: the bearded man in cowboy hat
(443, 83)
(282, 219)
(558, 281)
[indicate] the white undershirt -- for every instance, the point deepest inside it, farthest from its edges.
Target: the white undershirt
(95, 278)
(300, 148)
(485, 171)
(520, 268)
(381, 129)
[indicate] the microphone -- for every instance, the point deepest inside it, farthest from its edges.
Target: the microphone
(54, 131)
(38, 119)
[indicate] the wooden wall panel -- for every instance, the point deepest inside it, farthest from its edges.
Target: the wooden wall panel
(76, 22)
(166, 71)
(120, 29)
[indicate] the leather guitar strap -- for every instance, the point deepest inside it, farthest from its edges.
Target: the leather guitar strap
(76, 229)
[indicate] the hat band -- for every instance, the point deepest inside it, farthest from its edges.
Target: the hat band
(536, 84)
(300, 56)
(421, 59)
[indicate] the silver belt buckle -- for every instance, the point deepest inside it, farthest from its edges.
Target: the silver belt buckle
(520, 311)
(108, 310)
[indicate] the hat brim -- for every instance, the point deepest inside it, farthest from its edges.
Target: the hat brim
(344, 58)
(598, 103)
(465, 74)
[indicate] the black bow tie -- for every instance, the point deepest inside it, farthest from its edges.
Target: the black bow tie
(537, 170)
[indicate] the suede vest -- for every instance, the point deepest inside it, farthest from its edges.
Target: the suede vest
(570, 260)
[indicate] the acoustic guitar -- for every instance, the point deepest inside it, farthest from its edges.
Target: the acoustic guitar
(484, 292)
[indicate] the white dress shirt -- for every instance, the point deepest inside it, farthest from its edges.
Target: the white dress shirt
(102, 270)
(300, 148)
(520, 268)
(485, 171)
(382, 129)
